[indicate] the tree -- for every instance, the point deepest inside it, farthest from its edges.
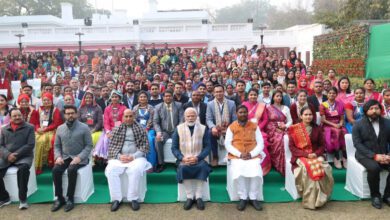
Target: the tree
(290, 17)
(239, 13)
(81, 8)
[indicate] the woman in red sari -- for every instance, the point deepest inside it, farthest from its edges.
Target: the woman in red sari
(279, 119)
(313, 175)
(257, 112)
(369, 86)
(29, 114)
(49, 120)
(296, 107)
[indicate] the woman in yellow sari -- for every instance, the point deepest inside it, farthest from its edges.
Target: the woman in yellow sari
(49, 120)
(313, 175)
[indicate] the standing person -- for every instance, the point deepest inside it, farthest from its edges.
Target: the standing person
(113, 115)
(369, 86)
(386, 103)
(72, 148)
(371, 139)
(17, 143)
(130, 99)
(279, 119)
(258, 114)
(167, 116)
(198, 105)
(345, 94)
(296, 107)
(244, 144)
(191, 145)
(318, 97)
(354, 109)
(91, 114)
(220, 113)
(128, 147)
(49, 120)
(306, 142)
(143, 115)
(104, 100)
(291, 94)
(332, 119)
(155, 97)
(265, 96)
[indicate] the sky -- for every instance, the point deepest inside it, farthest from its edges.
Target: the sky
(136, 8)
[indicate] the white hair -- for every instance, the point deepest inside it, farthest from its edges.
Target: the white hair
(189, 110)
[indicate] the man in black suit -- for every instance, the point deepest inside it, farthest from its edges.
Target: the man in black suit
(317, 98)
(104, 101)
(371, 138)
(199, 106)
(130, 99)
(178, 95)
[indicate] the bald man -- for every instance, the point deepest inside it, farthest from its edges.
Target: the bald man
(126, 153)
(191, 145)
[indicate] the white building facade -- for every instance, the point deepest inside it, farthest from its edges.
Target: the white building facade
(185, 28)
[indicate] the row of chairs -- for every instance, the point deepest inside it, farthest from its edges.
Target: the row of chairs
(356, 178)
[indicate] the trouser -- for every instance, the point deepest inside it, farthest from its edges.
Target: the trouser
(160, 146)
(193, 188)
(134, 173)
(248, 187)
(373, 176)
(214, 144)
(23, 175)
(57, 173)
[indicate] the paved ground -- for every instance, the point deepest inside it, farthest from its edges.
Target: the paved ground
(293, 210)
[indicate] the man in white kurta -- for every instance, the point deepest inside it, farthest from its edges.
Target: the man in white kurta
(126, 154)
(245, 144)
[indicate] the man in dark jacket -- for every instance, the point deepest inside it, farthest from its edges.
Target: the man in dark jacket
(16, 149)
(200, 107)
(372, 140)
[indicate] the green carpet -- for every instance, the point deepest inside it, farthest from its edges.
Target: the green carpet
(162, 187)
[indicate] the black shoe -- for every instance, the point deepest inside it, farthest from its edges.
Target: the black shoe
(57, 205)
(257, 205)
(68, 206)
(115, 205)
(242, 205)
(188, 204)
(5, 202)
(387, 201)
(135, 205)
(200, 204)
(376, 202)
(160, 168)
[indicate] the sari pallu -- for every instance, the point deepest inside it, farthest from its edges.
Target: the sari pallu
(275, 138)
(313, 177)
(258, 113)
(334, 137)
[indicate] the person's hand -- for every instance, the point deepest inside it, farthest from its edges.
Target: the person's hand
(387, 159)
(12, 157)
(381, 158)
(40, 130)
(282, 125)
(186, 160)
(159, 136)
(59, 161)
(214, 131)
(193, 160)
(246, 156)
(75, 161)
(109, 135)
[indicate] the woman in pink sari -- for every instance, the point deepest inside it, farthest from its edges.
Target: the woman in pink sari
(345, 94)
(279, 119)
(332, 119)
(257, 113)
(369, 86)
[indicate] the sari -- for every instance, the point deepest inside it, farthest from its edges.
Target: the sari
(357, 113)
(345, 98)
(334, 137)
(275, 138)
(313, 177)
(257, 113)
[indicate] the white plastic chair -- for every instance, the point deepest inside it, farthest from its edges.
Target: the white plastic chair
(142, 186)
(11, 180)
(318, 118)
(222, 156)
(231, 186)
(181, 192)
(356, 180)
(84, 183)
(168, 155)
(289, 181)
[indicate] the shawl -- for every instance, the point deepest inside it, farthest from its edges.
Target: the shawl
(191, 145)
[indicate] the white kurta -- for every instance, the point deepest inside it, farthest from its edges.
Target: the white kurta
(134, 170)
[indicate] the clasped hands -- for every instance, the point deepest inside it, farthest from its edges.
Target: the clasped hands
(60, 161)
(191, 160)
(126, 158)
(382, 158)
(12, 157)
(246, 156)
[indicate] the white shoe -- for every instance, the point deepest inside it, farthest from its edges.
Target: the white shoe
(5, 202)
(337, 163)
(23, 205)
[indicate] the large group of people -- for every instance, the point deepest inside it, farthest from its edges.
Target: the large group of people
(120, 108)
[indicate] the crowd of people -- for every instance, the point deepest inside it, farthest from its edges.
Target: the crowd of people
(132, 101)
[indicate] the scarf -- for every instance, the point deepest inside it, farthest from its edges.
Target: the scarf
(191, 145)
(222, 116)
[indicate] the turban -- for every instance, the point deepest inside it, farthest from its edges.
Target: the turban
(47, 95)
(23, 96)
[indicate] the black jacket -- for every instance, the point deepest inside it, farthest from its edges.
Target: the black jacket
(366, 142)
(202, 111)
(314, 101)
(126, 103)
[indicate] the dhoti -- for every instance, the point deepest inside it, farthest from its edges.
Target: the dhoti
(247, 177)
